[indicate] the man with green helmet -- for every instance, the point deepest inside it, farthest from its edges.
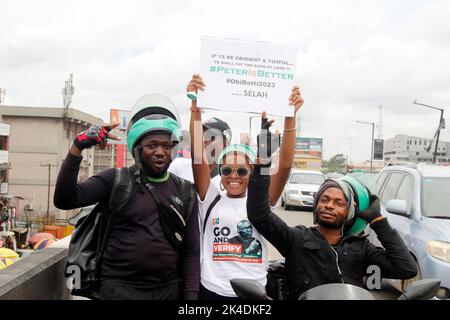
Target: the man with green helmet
(146, 135)
(327, 253)
(152, 251)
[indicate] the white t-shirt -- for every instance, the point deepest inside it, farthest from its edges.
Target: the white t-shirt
(224, 254)
(182, 167)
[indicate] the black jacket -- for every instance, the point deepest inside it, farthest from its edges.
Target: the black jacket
(137, 254)
(311, 261)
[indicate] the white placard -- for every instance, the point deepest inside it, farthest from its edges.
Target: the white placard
(247, 76)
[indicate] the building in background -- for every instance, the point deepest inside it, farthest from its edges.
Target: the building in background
(113, 156)
(4, 159)
(403, 148)
(308, 153)
(377, 166)
(103, 159)
(116, 154)
(39, 140)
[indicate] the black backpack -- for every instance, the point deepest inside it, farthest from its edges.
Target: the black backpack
(88, 241)
(173, 222)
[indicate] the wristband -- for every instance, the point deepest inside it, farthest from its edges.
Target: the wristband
(191, 95)
(377, 219)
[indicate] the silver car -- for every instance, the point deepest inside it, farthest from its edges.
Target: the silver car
(301, 189)
(415, 199)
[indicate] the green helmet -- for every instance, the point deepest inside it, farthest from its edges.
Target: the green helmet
(153, 103)
(155, 123)
(362, 199)
(242, 148)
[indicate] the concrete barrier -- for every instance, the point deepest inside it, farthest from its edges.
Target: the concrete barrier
(37, 277)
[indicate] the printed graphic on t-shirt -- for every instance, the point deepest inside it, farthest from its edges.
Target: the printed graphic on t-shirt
(242, 248)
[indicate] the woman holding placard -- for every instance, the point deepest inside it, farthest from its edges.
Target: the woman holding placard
(230, 246)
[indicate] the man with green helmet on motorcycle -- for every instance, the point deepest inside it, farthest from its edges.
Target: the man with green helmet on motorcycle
(329, 252)
(152, 251)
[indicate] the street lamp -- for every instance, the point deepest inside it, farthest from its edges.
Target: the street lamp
(441, 126)
(371, 152)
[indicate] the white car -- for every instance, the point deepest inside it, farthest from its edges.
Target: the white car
(301, 188)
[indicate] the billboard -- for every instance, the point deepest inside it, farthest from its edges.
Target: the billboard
(308, 164)
(378, 145)
(120, 116)
(308, 144)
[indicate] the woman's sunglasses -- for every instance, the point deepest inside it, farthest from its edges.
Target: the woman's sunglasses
(228, 171)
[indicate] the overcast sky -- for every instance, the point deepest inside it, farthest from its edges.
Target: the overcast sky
(353, 56)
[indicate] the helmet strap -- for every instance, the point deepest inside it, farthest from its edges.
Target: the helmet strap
(137, 160)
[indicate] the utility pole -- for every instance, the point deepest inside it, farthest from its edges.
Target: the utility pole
(371, 151)
(49, 165)
(441, 126)
(380, 125)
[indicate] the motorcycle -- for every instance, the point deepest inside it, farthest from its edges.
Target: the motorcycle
(424, 289)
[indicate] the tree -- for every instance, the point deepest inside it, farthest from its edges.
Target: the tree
(335, 164)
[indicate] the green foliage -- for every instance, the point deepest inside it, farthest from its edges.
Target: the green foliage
(335, 164)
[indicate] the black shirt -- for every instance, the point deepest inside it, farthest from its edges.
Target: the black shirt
(138, 253)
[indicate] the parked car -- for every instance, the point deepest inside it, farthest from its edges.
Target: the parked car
(415, 200)
(369, 180)
(301, 188)
(334, 175)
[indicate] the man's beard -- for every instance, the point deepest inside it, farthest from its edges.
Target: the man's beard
(337, 224)
(151, 173)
